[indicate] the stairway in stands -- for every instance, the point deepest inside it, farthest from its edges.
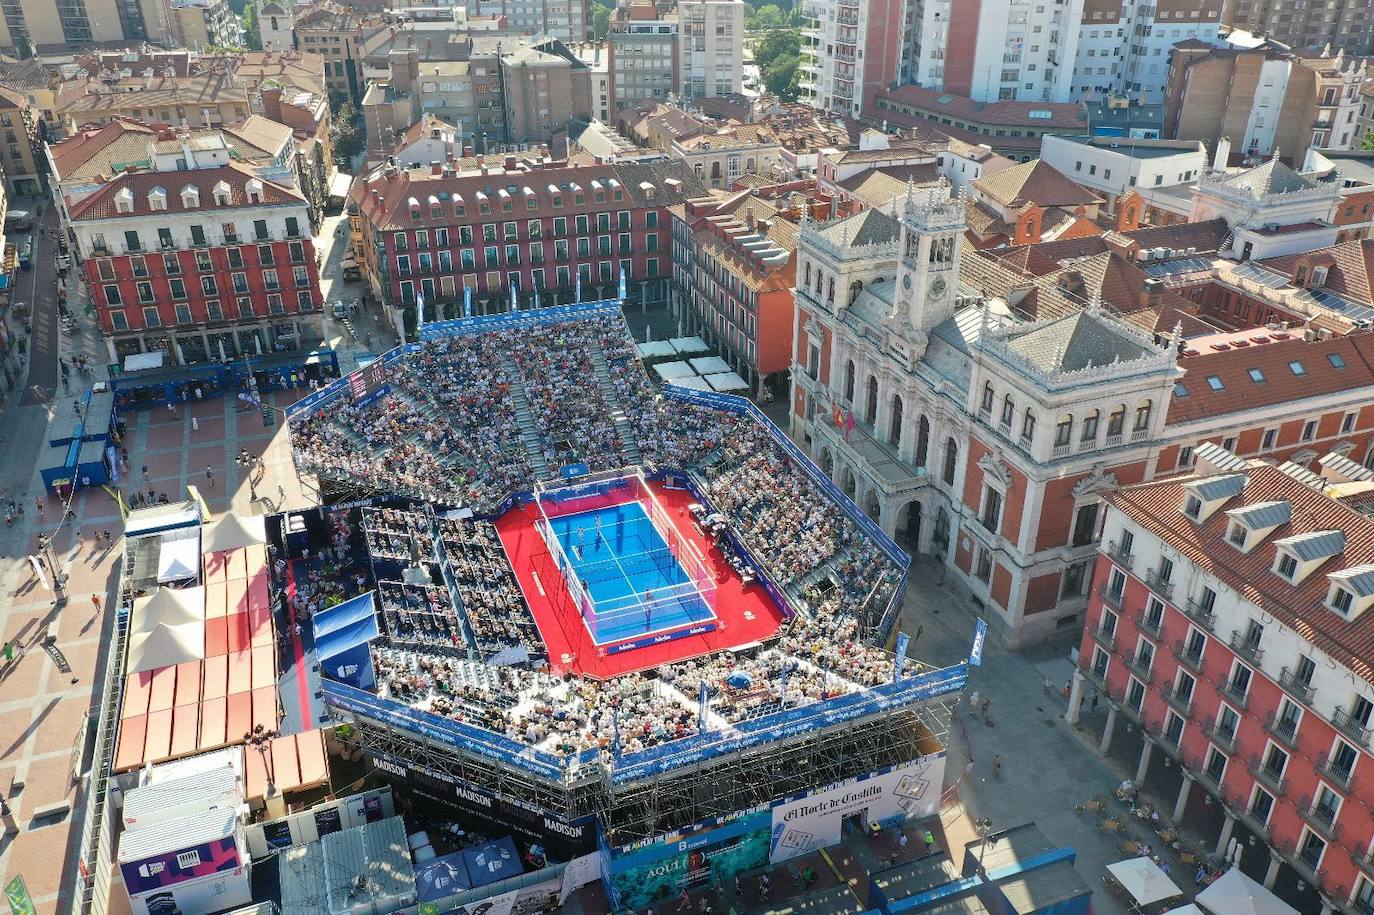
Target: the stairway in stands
(524, 417)
(613, 405)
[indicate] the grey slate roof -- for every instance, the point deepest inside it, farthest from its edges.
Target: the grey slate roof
(1358, 579)
(1314, 545)
(1219, 457)
(1077, 341)
(1302, 475)
(1223, 487)
(865, 228)
(1273, 177)
(1343, 465)
(1263, 515)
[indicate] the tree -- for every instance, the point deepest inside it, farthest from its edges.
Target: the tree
(767, 17)
(348, 135)
(778, 55)
(252, 33)
(601, 20)
(1368, 141)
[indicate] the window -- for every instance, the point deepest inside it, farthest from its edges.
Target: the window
(1348, 422)
(178, 288)
(1341, 601)
(1116, 422)
(1256, 376)
(992, 508)
(1215, 383)
(1336, 361)
(1028, 427)
(1287, 566)
(1185, 457)
(112, 296)
(1309, 430)
(1085, 525)
(987, 397)
(1297, 368)
(1008, 409)
(1270, 436)
(151, 318)
(1192, 506)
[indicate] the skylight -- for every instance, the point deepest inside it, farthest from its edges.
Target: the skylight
(1335, 360)
(1214, 382)
(1180, 390)
(1298, 368)
(1256, 376)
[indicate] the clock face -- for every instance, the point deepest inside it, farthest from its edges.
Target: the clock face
(937, 287)
(906, 282)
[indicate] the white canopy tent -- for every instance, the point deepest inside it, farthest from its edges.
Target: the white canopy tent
(696, 383)
(709, 365)
(672, 371)
(168, 607)
(727, 381)
(689, 344)
(179, 559)
(233, 532)
(1188, 909)
(166, 645)
(1233, 893)
(655, 349)
(1144, 881)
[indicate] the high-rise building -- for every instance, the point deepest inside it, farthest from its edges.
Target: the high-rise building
(711, 44)
(1343, 25)
(200, 24)
(568, 20)
(853, 51)
(641, 54)
(1123, 45)
(34, 24)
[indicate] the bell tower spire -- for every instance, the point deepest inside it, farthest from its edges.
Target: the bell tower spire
(931, 243)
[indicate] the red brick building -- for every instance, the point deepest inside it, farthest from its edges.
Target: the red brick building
(199, 263)
(534, 224)
(1227, 623)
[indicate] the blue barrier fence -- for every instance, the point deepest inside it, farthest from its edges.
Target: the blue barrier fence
(535, 317)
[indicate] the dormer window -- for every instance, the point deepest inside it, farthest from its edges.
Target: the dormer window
(1297, 556)
(1352, 591)
(1318, 277)
(190, 196)
(1250, 524)
(1236, 535)
(222, 194)
(124, 200)
(1205, 496)
(1192, 507)
(253, 189)
(1286, 566)
(157, 198)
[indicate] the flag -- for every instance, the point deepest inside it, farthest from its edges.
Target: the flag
(622, 284)
(782, 680)
(839, 416)
(420, 309)
(536, 296)
(17, 895)
(615, 731)
(848, 425)
(513, 305)
(899, 660)
(467, 301)
(38, 570)
(701, 706)
(577, 296)
(980, 637)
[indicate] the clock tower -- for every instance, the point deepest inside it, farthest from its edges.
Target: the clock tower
(928, 269)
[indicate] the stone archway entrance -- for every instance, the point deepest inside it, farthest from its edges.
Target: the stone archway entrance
(909, 527)
(940, 538)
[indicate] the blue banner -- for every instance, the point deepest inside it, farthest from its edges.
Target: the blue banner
(899, 659)
(514, 306)
(702, 692)
(660, 638)
(467, 301)
(980, 638)
(622, 284)
(577, 293)
(420, 310)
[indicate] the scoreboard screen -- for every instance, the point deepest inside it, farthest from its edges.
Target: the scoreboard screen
(367, 379)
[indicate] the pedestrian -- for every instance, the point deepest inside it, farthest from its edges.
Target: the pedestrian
(930, 841)
(973, 702)
(195, 424)
(209, 477)
(902, 839)
(172, 408)
(1068, 689)
(1049, 686)
(38, 504)
(9, 652)
(109, 540)
(997, 765)
(145, 471)
(986, 703)
(95, 602)
(1094, 702)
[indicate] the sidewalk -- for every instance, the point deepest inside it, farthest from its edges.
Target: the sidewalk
(1046, 770)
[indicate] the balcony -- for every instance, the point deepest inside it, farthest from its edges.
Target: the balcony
(1105, 638)
(1161, 586)
(1140, 665)
(1120, 556)
(1274, 781)
(1223, 737)
(1340, 776)
(1200, 614)
(1109, 596)
(1187, 658)
(1179, 703)
(1209, 781)
(1297, 689)
(1233, 694)
(1322, 819)
(1246, 647)
(1284, 731)
(1350, 727)
(1149, 625)
(1365, 862)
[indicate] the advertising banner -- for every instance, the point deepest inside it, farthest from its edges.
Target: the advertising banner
(811, 822)
(689, 860)
(17, 895)
(491, 815)
(184, 864)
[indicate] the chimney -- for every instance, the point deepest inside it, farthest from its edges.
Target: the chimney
(436, 168)
(1223, 154)
(510, 163)
(749, 217)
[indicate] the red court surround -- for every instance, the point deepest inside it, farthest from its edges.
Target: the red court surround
(562, 629)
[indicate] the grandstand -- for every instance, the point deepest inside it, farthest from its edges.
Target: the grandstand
(559, 635)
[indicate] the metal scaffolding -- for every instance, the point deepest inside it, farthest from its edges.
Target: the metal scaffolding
(644, 808)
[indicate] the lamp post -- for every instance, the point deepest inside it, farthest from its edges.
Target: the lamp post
(982, 827)
(259, 739)
(59, 580)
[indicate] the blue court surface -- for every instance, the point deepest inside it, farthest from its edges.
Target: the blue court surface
(622, 560)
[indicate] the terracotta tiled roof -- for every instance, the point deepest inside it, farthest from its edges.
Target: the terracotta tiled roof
(879, 186)
(92, 152)
(1238, 392)
(1351, 273)
(1008, 113)
(1206, 236)
(1035, 182)
(101, 204)
(1300, 607)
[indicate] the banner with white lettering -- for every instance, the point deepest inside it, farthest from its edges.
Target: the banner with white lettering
(579, 872)
(814, 821)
